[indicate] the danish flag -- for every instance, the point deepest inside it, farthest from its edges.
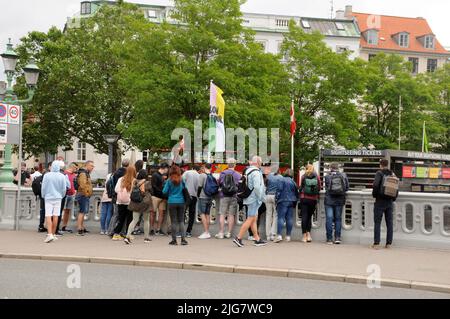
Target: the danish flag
(293, 120)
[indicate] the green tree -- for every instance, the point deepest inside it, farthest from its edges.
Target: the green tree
(388, 78)
(170, 67)
(323, 85)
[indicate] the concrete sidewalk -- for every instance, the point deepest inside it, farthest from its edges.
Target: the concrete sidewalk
(400, 267)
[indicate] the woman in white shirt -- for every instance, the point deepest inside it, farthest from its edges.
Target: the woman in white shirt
(123, 191)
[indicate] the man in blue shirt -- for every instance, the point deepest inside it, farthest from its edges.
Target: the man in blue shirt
(273, 180)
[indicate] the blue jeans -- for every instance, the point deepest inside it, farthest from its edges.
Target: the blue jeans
(334, 215)
(383, 208)
(106, 215)
(285, 214)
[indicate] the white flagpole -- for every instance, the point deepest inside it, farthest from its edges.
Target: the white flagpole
(292, 140)
(423, 138)
(400, 123)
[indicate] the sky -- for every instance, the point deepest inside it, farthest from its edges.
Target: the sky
(18, 17)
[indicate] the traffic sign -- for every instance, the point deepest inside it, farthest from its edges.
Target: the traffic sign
(3, 113)
(3, 133)
(14, 114)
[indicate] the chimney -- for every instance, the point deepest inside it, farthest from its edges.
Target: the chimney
(340, 15)
(348, 12)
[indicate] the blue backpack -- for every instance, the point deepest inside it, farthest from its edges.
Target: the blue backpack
(211, 186)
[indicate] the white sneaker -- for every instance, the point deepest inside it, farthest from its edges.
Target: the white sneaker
(49, 239)
(272, 237)
(278, 239)
(288, 238)
(55, 237)
(251, 238)
(205, 236)
(228, 235)
(219, 236)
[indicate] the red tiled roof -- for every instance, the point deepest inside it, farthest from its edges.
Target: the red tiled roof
(391, 25)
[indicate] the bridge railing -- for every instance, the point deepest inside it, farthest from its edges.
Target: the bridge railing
(420, 219)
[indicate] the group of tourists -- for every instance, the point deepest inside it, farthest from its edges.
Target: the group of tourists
(133, 199)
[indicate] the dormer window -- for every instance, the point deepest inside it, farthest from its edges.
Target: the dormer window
(429, 42)
(85, 8)
(403, 40)
(372, 37)
(340, 26)
(305, 24)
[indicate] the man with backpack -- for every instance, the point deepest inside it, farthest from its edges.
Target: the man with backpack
(207, 189)
(336, 184)
(385, 192)
(37, 190)
(253, 191)
(273, 180)
(228, 182)
(84, 189)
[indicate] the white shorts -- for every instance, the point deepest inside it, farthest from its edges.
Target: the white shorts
(52, 207)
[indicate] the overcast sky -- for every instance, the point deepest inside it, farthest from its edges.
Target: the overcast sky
(18, 17)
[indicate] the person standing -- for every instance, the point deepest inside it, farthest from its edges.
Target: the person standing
(141, 207)
(37, 190)
(25, 176)
(228, 182)
(385, 192)
(84, 193)
(190, 179)
(106, 210)
(115, 212)
(36, 173)
(273, 180)
(205, 182)
(54, 188)
(286, 199)
(123, 191)
(310, 187)
(336, 185)
(255, 183)
(173, 189)
(158, 198)
(71, 173)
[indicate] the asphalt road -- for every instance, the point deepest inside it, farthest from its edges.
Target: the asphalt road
(45, 279)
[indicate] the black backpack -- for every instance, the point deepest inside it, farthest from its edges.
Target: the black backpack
(229, 187)
(136, 194)
(337, 185)
(37, 185)
(243, 190)
(110, 187)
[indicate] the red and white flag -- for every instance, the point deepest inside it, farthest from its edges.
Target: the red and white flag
(293, 120)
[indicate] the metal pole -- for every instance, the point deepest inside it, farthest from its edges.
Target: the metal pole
(400, 123)
(292, 152)
(19, 172)
(110, 159)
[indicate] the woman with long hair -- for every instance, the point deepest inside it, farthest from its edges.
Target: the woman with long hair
(310, 187)
(144, 207)
(173, 188)
(123, 191)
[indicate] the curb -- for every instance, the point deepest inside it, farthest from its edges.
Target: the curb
(272, 272)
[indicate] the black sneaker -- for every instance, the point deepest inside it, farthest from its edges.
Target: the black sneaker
(337, 241)
(147, 240)
(173, 243)
(127, 240)
(42, 230)
(152, 233)
(80, 232)
(59, 234)
(260, 243)
(86, 231)
(66, 230)
(184, 242)
(238, 242)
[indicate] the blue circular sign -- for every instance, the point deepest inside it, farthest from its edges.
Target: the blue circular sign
(2, 110)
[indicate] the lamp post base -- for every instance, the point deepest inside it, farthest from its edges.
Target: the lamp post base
(6, 172)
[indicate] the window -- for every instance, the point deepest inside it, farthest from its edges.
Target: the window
(306, 24)
(371, 56)
(85, 8)
(340, 26)
(403, 40)
(151, 14)
(372, 37)
(415, 65)
(81, 151)
(429, 42)
(342, 49)
(431, 65)
(282, 22)
(145, 156)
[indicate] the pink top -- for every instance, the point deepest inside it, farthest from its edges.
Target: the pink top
(105, 198)
(71, 191)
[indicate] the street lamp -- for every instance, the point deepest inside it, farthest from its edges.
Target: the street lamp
(31, 72)
(111, 140)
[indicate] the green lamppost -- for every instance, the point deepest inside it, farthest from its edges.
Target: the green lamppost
(31, 72)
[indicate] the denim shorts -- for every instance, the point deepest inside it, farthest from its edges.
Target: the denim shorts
(70, 201)
(204, 205)
(83, 204)
(252, 209)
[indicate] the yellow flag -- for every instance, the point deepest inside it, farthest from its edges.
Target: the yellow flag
(220, 104)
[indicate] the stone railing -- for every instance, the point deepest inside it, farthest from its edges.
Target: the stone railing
(420, 220)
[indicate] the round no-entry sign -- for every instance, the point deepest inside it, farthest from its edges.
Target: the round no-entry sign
(3, 111)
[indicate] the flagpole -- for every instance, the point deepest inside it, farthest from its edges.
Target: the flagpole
(423, 138)
(400, 123)
(292, 145)
(208, 160)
